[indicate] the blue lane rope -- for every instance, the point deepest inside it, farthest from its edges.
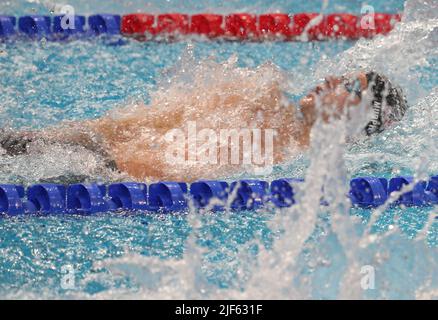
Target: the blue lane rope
(365, 192)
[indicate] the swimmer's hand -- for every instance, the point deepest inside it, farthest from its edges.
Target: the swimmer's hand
(14, 143)
(73, 134)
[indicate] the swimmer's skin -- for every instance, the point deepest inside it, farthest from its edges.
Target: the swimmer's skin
(134, 139)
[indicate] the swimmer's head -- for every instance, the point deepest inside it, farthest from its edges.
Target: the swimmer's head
(387, 101)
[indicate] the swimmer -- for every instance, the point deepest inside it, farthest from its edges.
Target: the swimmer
(131, 140)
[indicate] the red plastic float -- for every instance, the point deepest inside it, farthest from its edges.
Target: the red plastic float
(341, 25)
(300, 22)
(241, 26)
(138, 24)
(172, 24)
(275, 25)
(210, 25)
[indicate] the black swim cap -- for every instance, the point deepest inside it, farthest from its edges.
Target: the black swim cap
(388, 102)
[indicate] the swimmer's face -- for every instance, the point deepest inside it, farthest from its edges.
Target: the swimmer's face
(336, 92)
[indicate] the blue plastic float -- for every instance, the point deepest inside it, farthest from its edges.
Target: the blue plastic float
(87, 199)
(250, 194)
(7, 26)
(35, 26)
(167, 196)
(203, 192)
(104, 24)
(128, 196)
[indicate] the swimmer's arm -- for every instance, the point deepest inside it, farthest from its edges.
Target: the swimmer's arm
(96, 134)
(79, 133)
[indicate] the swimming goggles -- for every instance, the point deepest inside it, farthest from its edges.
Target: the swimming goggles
(353, 86)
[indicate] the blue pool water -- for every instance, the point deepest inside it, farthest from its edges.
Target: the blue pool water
(304, 252)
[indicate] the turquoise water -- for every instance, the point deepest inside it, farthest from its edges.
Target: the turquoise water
(43, 83)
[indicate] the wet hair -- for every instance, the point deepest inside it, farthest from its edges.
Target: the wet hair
(388, 102)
